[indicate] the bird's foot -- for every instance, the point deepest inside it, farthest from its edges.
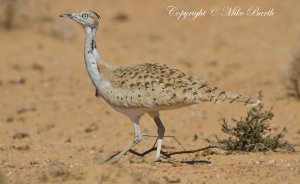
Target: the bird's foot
(113, 158)
(157, 159)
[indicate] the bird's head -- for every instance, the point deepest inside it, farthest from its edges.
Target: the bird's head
(86, 18)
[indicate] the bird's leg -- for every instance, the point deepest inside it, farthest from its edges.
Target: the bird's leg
(160, 133)
(136, 139)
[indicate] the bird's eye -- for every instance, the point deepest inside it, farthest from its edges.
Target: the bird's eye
(84, 15)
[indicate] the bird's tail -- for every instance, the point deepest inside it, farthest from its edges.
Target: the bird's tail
(221, 95)
(215, 94)
(237, 98)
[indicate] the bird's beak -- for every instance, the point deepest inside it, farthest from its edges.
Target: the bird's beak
(66, 15)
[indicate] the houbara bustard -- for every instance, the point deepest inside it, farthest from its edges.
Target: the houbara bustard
(144, 88)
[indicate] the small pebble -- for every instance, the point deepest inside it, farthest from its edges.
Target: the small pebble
(93, 127)
(37, 67)
(9, 119)
(20, 80)
(23, 110)
(271, 162)
(21, 147)
(172, 179)
(20, 135)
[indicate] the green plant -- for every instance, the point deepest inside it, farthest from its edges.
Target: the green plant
(252, 133)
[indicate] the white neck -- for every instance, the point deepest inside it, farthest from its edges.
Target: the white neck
(91, 56)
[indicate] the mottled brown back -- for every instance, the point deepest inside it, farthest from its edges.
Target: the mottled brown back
(153, 85)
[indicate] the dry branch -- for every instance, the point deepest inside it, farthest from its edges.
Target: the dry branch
(169, 154)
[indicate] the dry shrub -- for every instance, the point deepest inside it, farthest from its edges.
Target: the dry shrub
(17, 13)
(252, 133)
(291, 79)
(34, 15)
(9, 7)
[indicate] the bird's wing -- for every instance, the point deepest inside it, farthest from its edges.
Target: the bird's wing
(153, 85)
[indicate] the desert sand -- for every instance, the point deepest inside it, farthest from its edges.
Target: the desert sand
(54, 130)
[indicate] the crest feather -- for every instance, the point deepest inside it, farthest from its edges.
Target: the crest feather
(98, 16)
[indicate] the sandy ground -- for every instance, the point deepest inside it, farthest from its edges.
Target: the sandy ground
(54, 130)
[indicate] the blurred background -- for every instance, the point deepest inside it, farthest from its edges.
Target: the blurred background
(50, 118)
